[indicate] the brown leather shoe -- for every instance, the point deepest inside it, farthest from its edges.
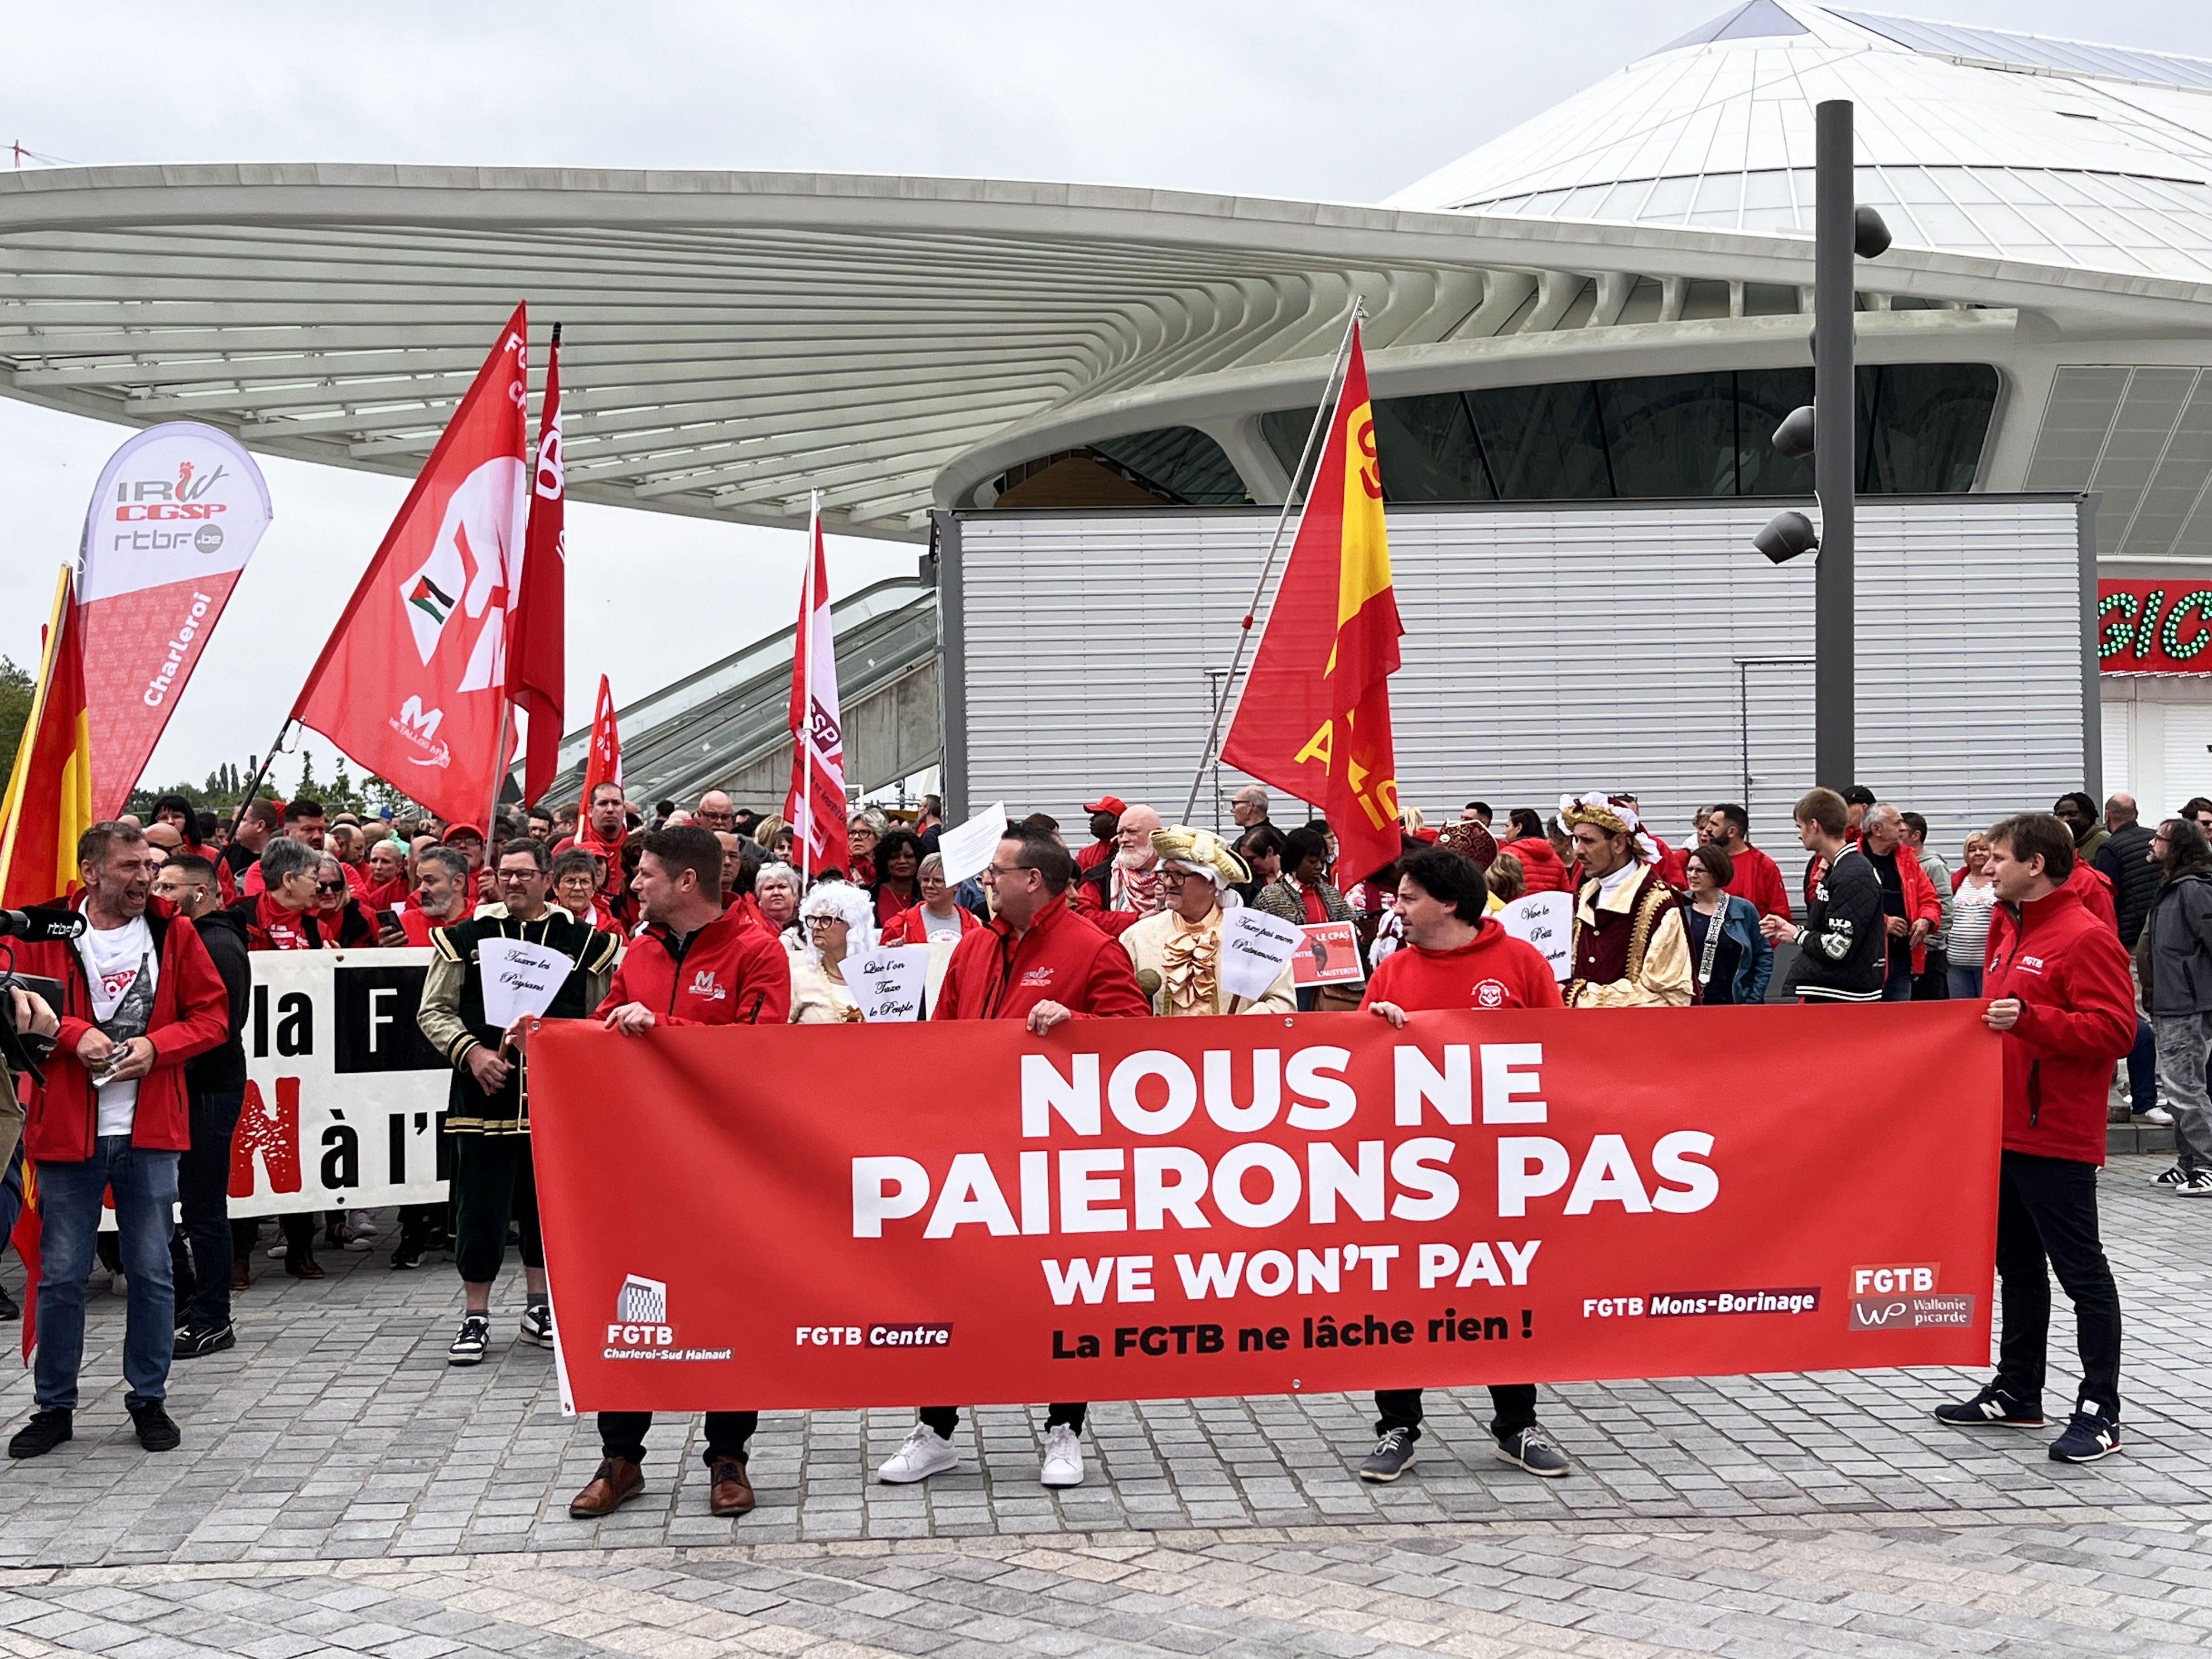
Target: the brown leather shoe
(303, 1266)
(729, 1492)
(616, 1481)
(242, 1274)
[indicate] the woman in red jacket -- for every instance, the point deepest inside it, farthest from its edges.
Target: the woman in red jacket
(1542, 872)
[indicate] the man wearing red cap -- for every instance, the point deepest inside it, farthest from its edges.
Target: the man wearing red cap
(1105, 822)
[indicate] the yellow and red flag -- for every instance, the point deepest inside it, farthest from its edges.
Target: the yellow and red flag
(49, 801)
(1315, 716)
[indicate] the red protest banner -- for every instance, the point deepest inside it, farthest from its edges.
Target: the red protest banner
(1263, 1205)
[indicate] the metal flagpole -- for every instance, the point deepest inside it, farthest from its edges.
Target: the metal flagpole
(799, 743)
(1330, 390)
(238, 816)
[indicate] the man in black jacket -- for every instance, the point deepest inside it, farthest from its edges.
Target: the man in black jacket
(200, 1252)
(2126, 859)
(1843, 953)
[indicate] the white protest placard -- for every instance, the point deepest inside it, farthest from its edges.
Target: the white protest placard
(520, 979)
(967, 850)
(1547, 921)
(887, 982)
(1254, 945)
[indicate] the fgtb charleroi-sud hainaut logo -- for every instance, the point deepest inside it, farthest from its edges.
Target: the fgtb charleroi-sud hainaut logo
(642, 1330)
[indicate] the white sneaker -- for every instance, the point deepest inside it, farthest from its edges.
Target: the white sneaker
(2196, 1184)
(2158, 1117)
(277, 1250)
(925, 1453)
(1063, 1457)
(363, 1224)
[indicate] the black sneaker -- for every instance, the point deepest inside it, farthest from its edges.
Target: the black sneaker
(45, 1431)
(538, 1324)
(406, 1257)
(1993, 1408)
(2090, 1436)
(193, 1340)
(1392, 1456)
(8, 1307)
(2173, 1177)
(473, 1342)
(1532, 1449)
(157, 1430)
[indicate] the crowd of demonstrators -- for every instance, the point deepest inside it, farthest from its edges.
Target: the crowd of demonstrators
(700, 916)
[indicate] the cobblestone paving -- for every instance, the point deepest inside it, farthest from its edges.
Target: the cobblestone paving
(341, 1490)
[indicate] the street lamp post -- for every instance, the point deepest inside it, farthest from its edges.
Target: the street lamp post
(1844, 233)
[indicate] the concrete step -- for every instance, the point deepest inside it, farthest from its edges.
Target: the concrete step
(2121, 1137)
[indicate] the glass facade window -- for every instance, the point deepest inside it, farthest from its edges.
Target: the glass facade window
(1177, 464)
(1921, 429)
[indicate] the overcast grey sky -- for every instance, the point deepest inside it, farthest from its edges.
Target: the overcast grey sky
(1338, 101)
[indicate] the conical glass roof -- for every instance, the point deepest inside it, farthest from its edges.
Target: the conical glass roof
(2102, 159)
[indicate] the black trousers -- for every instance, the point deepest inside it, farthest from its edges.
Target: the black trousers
(2047, 1212)
(200, 1253)
(945, 1419)
(1933, 983)
(494, 1184)
(621, 1434)
(1514, 1402)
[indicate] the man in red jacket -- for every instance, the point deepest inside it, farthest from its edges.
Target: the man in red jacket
(1454, 956)
(695, 963)
(141, 996)
(1039, 962)
(1756, 876)
(2061, 994)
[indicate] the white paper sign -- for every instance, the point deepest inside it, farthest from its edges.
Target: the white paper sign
(1547, 921)
(887, 982)
(1254, 945)
(967, 850)
(520, 979)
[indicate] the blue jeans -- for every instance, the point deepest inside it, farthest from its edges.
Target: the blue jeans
(145, 1184)
(1966, 983)
(2142, 1069)
(1898, 986)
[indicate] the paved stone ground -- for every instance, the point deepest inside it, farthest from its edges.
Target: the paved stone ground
(341, 1489)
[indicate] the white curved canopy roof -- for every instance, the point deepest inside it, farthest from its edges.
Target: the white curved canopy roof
(1970, 141)
(735, 340)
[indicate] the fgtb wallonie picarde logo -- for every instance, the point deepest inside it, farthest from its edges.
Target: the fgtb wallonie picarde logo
(641, 1330)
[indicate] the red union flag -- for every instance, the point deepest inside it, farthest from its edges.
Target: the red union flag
(1315, 716)
(413, 681)
(176, 513)
(536, 664)
(814, 806)
(602, 759)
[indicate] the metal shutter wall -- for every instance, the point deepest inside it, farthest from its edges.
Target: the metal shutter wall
(1548, 650)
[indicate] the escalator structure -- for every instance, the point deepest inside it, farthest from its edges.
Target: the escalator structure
(728, 726)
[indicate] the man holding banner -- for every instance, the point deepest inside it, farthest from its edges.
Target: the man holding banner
(521, 957)
(1455, 956)
(1040, 962)
(695, 963)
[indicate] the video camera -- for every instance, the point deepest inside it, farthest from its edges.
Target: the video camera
(21, 1050)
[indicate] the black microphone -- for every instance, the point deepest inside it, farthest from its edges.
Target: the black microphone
(41, 923)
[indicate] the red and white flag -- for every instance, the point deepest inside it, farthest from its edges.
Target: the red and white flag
(536, 656)
(176, 514)
(815, 804)
(602, 759)
(412, 685)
